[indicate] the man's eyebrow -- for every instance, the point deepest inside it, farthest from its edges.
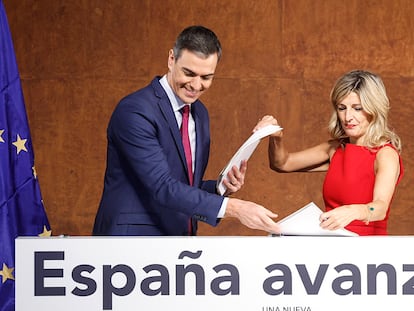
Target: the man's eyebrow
(189, 71)
(208, 75)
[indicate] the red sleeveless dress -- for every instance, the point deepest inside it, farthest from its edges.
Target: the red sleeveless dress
(350, 180)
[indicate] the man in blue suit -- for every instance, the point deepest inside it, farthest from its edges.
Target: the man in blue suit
(147, 188)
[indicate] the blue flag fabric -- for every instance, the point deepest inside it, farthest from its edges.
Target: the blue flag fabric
(21, 207)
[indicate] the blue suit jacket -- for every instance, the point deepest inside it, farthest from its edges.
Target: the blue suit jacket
(146, 187)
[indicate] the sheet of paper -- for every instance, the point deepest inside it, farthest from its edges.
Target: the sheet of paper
(305, 221)
(244, 153)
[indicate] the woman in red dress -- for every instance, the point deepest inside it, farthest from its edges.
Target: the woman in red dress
(362, 160)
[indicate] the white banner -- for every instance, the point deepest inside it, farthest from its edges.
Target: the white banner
(215, 273)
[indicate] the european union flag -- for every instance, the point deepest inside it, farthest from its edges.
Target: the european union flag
(21, 208)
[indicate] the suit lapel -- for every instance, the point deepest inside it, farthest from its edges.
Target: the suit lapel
(201, 126)
(168, 113)
(201, 133)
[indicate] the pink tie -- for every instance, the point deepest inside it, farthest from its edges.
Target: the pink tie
(187, 150)
(186, 142)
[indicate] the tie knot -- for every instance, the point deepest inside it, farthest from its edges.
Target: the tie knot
(185, 110)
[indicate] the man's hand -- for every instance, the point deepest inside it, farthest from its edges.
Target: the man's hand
(235, 178)
(252, 215)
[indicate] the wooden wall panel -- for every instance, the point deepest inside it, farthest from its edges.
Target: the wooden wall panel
(78, 58)
(322, 39)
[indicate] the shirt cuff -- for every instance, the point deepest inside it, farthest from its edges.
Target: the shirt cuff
(223, 207)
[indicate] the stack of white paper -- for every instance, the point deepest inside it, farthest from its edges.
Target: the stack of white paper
(244, 153)
(305, 221)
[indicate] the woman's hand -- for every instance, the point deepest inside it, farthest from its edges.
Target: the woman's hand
(267, 120)
(339, 217)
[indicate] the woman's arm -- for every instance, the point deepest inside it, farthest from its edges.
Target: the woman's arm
(314, 159)
(281, 160)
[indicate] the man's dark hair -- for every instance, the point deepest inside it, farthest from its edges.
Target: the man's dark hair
(197, 39)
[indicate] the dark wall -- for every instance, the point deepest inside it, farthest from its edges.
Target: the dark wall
(78, 58)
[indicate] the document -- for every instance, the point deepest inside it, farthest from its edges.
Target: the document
(305, 221)
(244, 153)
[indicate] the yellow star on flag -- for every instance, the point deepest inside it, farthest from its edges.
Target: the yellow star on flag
(20, 144)
(6, 273)
(45, 232)
(1, 138)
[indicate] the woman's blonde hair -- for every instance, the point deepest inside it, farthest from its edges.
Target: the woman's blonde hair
(374, 101)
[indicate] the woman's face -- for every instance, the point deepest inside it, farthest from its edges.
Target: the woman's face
(353, 118)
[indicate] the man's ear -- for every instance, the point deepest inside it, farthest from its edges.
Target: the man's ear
(171, 58)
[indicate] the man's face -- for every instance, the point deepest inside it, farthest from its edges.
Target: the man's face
(190, 75)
